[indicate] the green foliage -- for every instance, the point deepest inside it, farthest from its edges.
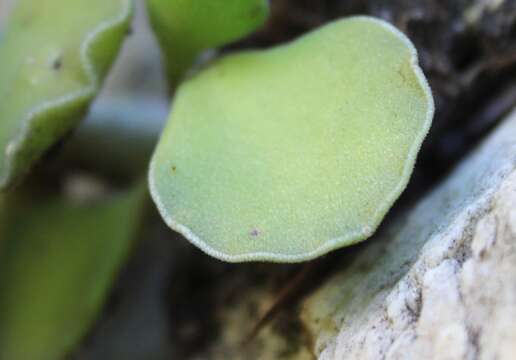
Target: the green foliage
(276, 155)
(58, 260)
(185, 28)
(288, 153)
(54, 56)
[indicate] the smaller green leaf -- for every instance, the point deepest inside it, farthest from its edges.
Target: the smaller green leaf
(185, 28)
(53, 58)
(288, 153)
(58, 259)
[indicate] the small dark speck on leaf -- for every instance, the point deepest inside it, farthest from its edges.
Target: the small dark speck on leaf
(254, 233)
(173, 168)
(57, 63)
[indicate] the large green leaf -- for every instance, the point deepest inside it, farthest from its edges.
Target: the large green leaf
(54, 56)
(58, 259)
(184, 27)
(286, 154)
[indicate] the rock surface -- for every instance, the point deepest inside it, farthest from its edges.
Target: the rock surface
(440, 283)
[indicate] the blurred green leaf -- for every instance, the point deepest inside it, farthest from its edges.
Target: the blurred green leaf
(288, 153)
(58, 259)
(184, 28)
(54, 56)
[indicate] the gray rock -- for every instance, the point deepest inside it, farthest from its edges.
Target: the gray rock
(440, 283)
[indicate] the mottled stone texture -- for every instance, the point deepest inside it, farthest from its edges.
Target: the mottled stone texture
(440, 283)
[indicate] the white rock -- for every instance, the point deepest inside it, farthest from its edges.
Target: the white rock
(440, 283)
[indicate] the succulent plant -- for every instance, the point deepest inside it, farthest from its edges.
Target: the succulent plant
(54, 56)
(185, 28)
(58, 260)
(281, 154)
(288, 153)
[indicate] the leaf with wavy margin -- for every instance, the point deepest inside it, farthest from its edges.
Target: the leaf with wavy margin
(288, 153)
(54, 56)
